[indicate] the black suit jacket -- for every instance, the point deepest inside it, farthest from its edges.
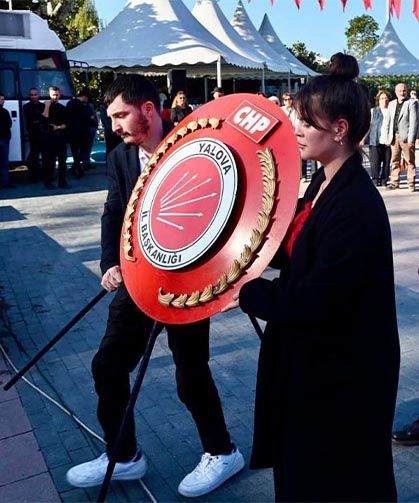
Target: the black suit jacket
(123, 171)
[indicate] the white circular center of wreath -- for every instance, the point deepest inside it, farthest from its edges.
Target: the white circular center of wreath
(187, 203)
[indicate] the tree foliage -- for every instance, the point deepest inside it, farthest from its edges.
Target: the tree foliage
(309, 58)
(361, 35)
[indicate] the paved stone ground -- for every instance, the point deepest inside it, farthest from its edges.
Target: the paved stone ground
(49, 253)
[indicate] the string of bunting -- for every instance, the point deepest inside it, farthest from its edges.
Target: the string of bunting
(395, 6)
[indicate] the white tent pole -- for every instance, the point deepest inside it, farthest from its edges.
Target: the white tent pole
(263, 79)
(289, 82)
(387, 11)
(219, 71)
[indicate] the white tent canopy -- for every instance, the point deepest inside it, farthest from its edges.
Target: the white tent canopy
(155, 35)
(209, 14)
(388, 57)
(286, 56)
(247, 31)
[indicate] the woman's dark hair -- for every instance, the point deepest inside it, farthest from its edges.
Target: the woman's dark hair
(336, 96)
(134, 90)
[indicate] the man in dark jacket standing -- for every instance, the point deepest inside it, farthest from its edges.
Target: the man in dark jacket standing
(33, 111)
(55, 140)
(5, 135)
(78, 115)
(134, 107)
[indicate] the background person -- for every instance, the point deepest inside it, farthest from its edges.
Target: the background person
(400, 128)
(217, 92)
(33, 111)
(133, 105)
(55, 140)
(5, 135)
(78, 131)
(180, 108)
(322, 384)
(380, 153)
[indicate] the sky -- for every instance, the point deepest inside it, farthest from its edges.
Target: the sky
(322, 31)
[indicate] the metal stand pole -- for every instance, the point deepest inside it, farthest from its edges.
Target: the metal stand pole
(155, 331)
(53, 341)
(256, 326)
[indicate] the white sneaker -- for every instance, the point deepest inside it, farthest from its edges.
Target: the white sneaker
(210, 473)
(93, 472)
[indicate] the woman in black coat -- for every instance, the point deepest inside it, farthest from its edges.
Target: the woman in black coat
(328, 366)
(180, 108)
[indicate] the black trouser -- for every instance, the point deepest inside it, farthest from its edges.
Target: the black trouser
(122, 347)
(380, 162)
(55, 147)
(79, 149)
(32, 161)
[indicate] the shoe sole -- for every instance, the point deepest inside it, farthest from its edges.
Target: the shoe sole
(196, 494)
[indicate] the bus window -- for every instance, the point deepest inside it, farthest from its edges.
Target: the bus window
(7, 83)
(42, 79)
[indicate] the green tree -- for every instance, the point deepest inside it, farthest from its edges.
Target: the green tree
(361, 35)
(309, 58)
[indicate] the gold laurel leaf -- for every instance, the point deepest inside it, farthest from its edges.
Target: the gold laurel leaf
(162, 149)
(245, 256)
(221, 285)
(270, 187)
(255, 240)
(234, 271)
(165, 298)
(180, 301)
(193, 299)
(214, 122)
(170, 141)
(153, 159)
(263, 222)
(267, 204)
(203, 122)
(126, 236)
(206, 294)
(182, 131)
(192, 126)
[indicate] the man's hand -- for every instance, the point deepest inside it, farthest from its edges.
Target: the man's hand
(112, 278)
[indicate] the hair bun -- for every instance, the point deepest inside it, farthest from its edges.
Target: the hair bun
(344, 66)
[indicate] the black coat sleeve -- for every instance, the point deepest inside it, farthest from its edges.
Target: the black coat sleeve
(112, 218)
(342, 250)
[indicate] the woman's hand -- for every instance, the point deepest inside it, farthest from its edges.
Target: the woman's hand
(233, 304)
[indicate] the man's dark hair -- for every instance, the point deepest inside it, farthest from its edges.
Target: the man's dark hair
(54, 88)
(83, 93)
(134, 90)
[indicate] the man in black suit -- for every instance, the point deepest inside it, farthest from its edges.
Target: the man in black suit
(55, 140)
(33, 111)
(134, 107)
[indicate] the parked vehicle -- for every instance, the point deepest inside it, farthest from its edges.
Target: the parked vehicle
(31, 55)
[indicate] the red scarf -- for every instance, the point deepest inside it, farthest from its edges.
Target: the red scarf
(295, 228)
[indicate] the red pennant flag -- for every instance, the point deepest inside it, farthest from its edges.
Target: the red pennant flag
(298, 3)
(368, 4)
(321, 3)
(395, 6)
(416, 8)
(344, 4)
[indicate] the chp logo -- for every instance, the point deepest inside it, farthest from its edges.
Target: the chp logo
(187, 204)
(251, 120)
